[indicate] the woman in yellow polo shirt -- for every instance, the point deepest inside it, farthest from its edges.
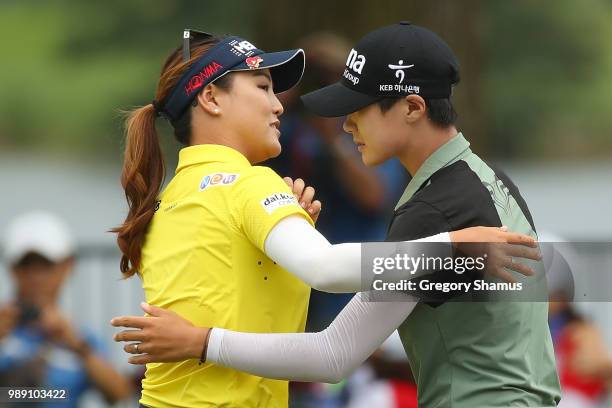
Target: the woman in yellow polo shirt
(210, 246)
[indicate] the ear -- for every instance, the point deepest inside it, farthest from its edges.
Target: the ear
(415, 108)
(208, 100)
(67, 265)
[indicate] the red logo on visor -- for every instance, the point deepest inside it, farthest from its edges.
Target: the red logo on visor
(198, 79)
(253, 62)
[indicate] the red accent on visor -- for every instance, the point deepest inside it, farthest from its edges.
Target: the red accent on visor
(196, 81)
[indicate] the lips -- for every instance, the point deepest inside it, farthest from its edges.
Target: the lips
(275, 124)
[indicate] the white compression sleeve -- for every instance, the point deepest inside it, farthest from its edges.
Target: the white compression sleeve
(299, 248)
(326, 356)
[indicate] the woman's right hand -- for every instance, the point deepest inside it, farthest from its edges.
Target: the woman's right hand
(161, 337)
(500, 247)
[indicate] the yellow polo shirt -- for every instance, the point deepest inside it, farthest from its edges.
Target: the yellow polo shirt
(203, 258)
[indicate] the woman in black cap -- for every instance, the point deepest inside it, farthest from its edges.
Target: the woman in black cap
(226, 244)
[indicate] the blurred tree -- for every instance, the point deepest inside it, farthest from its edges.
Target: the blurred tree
(546, 79)
(534, 77)
(68, 67)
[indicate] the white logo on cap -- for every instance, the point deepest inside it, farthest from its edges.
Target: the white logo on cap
(242, 48)
(355, 61)
(399, 69)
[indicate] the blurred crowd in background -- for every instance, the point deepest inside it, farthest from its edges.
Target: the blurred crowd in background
(534, 97)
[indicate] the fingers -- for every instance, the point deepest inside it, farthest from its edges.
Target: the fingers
(504, 275)
(520, 239)
(136, 322)
(298, 188)
(132, 349)
(307, 197)
(146, 358)
(153, 310)
(315, 208)
(304, 194)
(519, 267)
(520, 251)
(130, 335)
(141, 359)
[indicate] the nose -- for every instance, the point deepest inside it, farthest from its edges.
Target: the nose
(348, 125)
(277, 106)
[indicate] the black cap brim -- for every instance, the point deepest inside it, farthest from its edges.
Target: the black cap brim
(286, 68)
(337, 100)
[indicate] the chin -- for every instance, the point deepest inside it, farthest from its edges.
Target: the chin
(270, 151)
(371, 160)
(274, 148)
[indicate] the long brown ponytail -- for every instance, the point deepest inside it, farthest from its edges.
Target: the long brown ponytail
(143, 166)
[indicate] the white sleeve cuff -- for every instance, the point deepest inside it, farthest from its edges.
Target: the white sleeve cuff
(214, 344)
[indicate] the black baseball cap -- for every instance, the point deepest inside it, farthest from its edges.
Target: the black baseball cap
(396, 60)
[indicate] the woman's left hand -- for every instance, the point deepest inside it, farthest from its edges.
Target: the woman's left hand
(305, 195)
(161, 337)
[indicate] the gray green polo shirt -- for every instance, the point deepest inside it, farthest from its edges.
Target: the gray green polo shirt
(473, 354)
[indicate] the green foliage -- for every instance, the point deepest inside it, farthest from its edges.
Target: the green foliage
(68, 67)
(547, 77)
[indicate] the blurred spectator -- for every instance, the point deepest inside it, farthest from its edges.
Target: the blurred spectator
(356, 199)
(39, 346)
(583, 362)
(386, 380)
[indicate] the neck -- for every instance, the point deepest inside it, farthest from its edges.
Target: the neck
(423, 145)
(218, 136)
(40, 301)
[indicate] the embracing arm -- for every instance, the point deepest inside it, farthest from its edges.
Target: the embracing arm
(299, 248)
(326, 356)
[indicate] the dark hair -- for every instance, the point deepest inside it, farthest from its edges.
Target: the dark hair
(439, 110)
(32, 259)
(143, 165)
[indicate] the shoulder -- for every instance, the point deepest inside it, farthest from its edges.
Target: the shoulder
(258, 174)
(416, 219)
(262, 185)
(460, 195)
(455, 186)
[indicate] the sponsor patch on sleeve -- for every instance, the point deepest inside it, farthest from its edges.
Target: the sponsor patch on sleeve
(274, 201)
(217, 179)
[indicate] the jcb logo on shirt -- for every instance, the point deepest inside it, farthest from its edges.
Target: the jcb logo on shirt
(274, 201)
(217, 179)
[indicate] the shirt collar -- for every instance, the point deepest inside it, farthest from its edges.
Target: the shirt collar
(455, 149)
(209, 153)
